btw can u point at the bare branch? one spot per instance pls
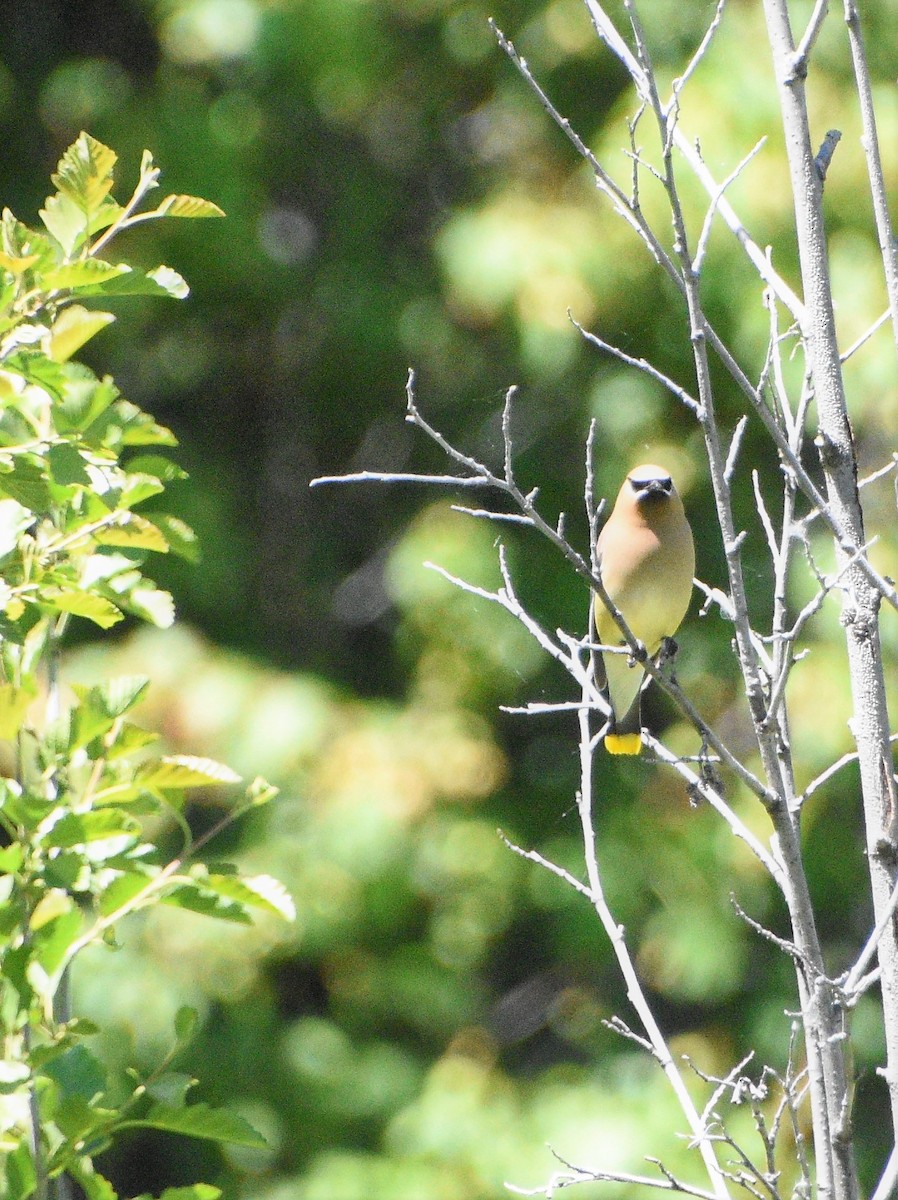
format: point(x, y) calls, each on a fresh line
point(806, 45)
point(680, 82)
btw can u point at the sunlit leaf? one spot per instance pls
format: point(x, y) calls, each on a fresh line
point(132, 530)
point(86, 274)
point(14, 705)
point(50, 906)
point(180, 538)
point(188, 206)
point(75, 326)
point(259, 891)
point(152, 604)
point(77, 829)
point(84, 173)
point(83, 604)
point(185, 771)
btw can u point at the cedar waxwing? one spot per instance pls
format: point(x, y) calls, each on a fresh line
point(646, 562)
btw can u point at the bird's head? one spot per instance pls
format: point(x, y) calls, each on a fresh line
point(650, 485)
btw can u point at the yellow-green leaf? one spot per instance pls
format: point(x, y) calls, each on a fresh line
point(84, 172)
point(14, 704)
point(185, 771)
point(73, 327)
point(83, 604)
point(188, 206)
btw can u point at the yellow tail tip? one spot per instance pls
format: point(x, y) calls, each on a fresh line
point(623, 743)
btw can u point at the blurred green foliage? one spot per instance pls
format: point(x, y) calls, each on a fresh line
point(395, 196)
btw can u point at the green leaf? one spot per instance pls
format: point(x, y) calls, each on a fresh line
point(21, 1177)
point(85, 275)
point(207, 903)
point(186, 1021)
point(134, 531)
point(185, 771)
point(27, 484)
point(54, 903)
point(51, 943)
point(82, 604)
point(67, 465)
point(94, 1186)
point(201, 1121)
point(122, 891)
point(139, 487)
point(84, 400)
point(77, 1073)
point(126, 281)
point(38, 369)
point(65, 220)
point(68, 223)
point(123, 424)
point(74, 326)
point(180, 538)
point(14, 705)
point(152, 604)
point(157, 465)
point(11, 858)
point(84, 173)
point(188, 206)
point(79, 829)
point(196, 1191)
point(101, 706)
point(259, 891)
point(260, 792)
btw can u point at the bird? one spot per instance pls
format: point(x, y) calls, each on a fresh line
point(646, 561)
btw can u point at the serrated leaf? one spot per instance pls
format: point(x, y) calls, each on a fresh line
point(86, 273)
point(84, 401)
point(180, 538)
point(161, 281)
point(207, 903)
point(84, 173)
point(75, 326)
point(114, 696)
point(134, 531)
point(201, 1121)
point(68, 222)
point(82, 604)
point(78, 829)
point(188, 206)
point(152, 604)
point(122, 891)
point(258, 891)
point(38, 369)
point(157, 465)
point(185, 771)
